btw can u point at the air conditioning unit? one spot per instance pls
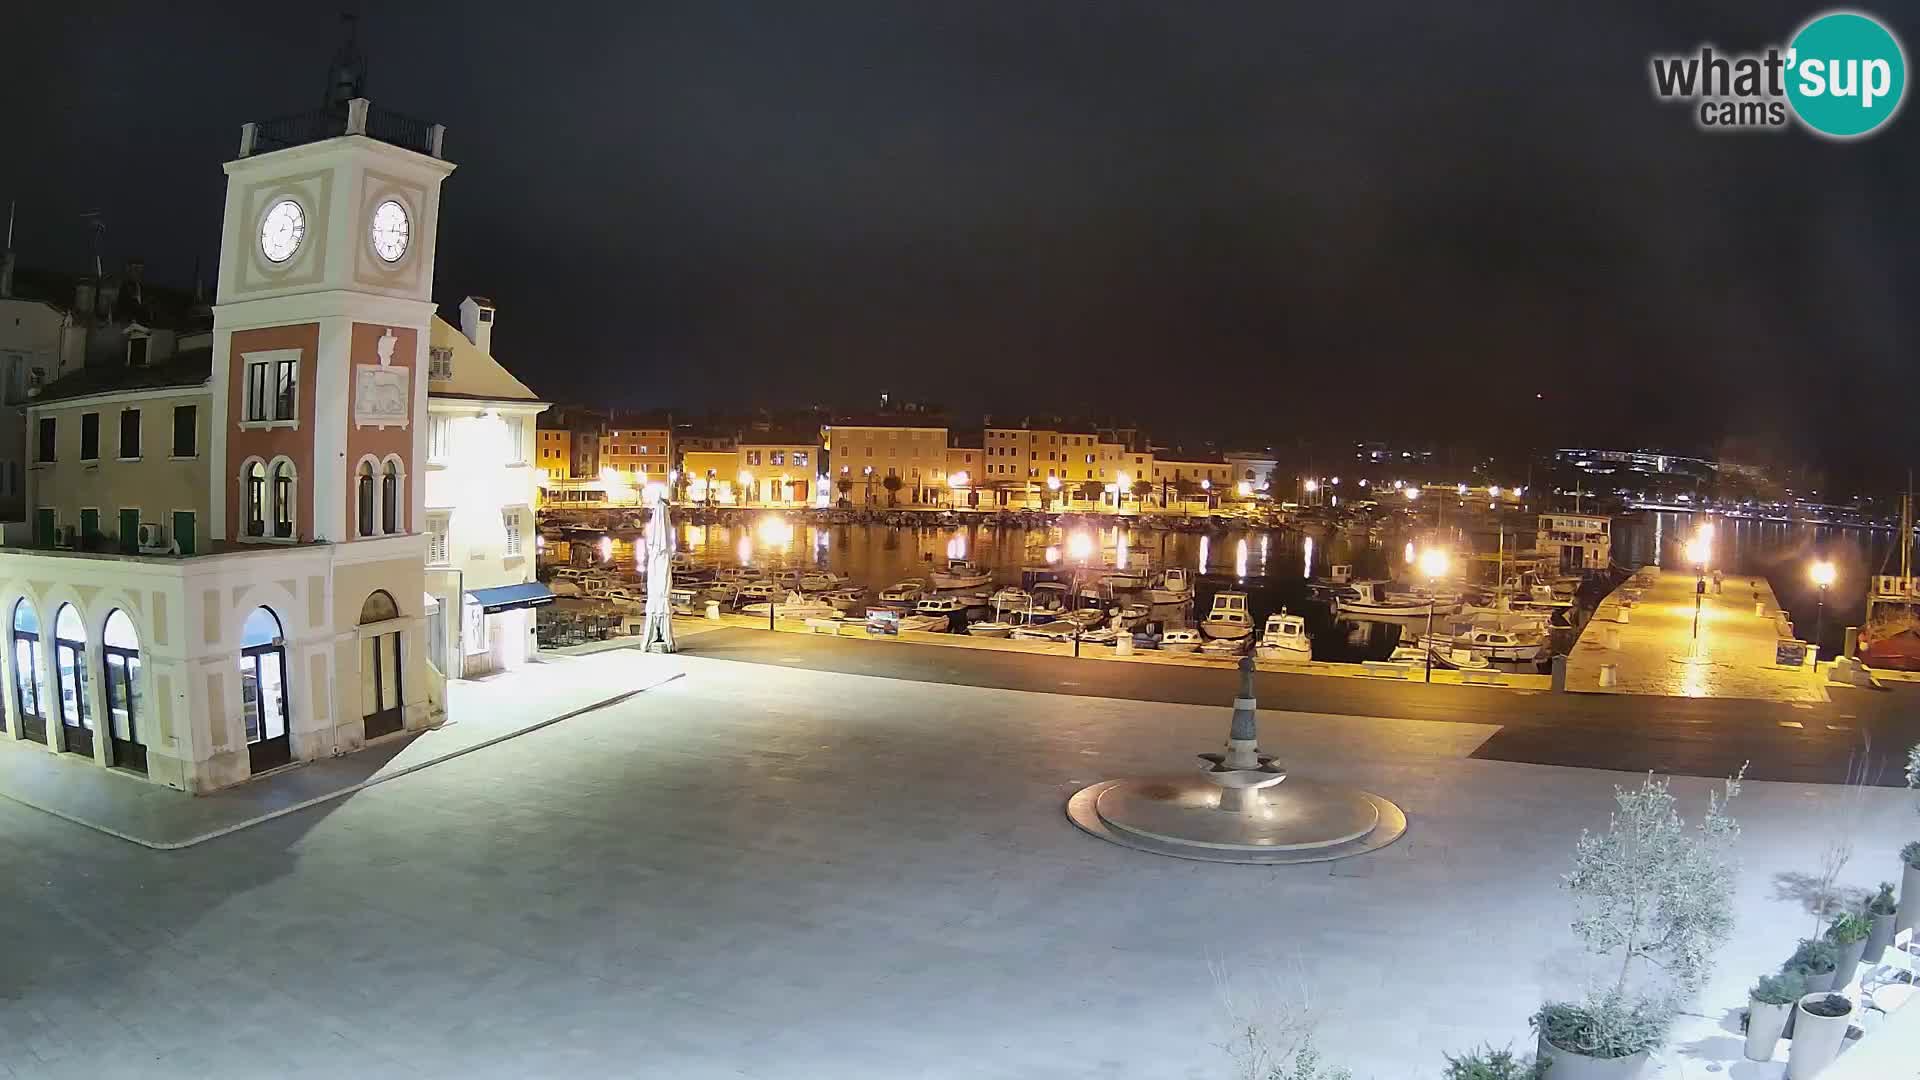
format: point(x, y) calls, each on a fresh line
point(153, 539)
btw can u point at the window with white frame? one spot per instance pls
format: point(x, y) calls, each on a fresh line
point(510, 518)
point(272, 388)
point(439, 434)
point(440, 363)
point(437, 550)
point(516, 434)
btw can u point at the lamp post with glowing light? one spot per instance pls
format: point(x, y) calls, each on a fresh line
point(1053, 490)
point(1206, 487)
point(711, 474)
point(958, 481)
point(1120, 484)
point(1433, 563)
point(1823, 575)
point(868, 473)
point(1699, 551)
point(746, 487)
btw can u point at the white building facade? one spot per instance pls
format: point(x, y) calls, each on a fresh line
point(481, 485)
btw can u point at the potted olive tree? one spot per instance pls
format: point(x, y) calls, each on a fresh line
point(1821, 1020)
point(1657, 895)
point(1768, 1005)
point(1849, 937)
point(1880, 912)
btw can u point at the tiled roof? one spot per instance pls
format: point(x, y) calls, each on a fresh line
point(189, 367)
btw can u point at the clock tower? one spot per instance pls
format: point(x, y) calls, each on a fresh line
point(318, 411)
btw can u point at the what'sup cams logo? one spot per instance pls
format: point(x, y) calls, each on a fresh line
point(1842, 76)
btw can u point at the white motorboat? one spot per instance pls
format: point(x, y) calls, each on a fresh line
point(1057, 630)
point(755, 591)
point(1138, 574)
point(1446, 654)
point(795, 606)
point(1048, 597)
point(1180, 641)
point(1369, 599)
point(991, 628)
point(683, 601)
point(1541, 599)
point(739, 575)
point(843, 599)
point(1498, 646)
point(1174, 587)
point(1224, 647)
point(961, 574)
point(1285, 637)
point(1086, 616)
point(1131, 615)
point(787, 578)
point(937, 614)
point(821, 582)
point(1228, 618)
point(902, 593)
point(723, 591)
point(1012, 598)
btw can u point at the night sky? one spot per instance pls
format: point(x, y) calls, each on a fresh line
point(1261, 221)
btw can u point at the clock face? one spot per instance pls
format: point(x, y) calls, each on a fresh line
point(390, 230)
point(282, 230)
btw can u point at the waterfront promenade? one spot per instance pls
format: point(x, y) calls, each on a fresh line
point(1657, 652)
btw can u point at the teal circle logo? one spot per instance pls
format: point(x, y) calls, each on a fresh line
point(1846, 74)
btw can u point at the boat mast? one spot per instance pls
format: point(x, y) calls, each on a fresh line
point(1906, 530)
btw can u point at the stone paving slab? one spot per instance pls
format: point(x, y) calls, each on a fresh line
point(1657, 653)
point(484, 712)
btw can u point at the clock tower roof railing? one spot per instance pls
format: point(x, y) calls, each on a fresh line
point(360, 117)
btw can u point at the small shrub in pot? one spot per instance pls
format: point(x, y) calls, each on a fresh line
point(1769, 1005)
point(1487, 1063)
point(1821, 1021)
point(1849, 937)
point(1817, 961)
point(1880, 912)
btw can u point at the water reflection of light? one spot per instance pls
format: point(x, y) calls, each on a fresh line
point(957, 546)
point(744, 548)
point(1053, 553)
point(1080, 545)
point(775, 531)
point(1409, 552)
point(1264, 538)
point(1306, 564)
point(1240, 558)
point(1203, 553)
point(606, 549)
point(1120, 553)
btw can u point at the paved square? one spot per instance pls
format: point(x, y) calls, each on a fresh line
point(765, 872)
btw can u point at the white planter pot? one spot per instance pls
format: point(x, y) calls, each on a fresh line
point(1881, 937)
point(1567, 1065)
point(1816, 1040)
point(1909, 899)
point(1764, 1025)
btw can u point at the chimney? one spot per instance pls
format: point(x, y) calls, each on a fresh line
point(109, 297)
point(83, 297)
point(476, 321)
point(136, 278)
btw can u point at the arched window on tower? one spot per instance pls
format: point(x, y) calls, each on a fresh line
point(365, 500)
point(390, 515)
point(283, 499)
point(256, 499)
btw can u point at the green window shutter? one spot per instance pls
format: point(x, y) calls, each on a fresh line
point(89, 525)
point(183, 530)
point(129, 530)
point(43, 526)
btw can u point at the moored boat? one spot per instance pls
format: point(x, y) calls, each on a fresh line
point(1228, 618)
point(1286, 636)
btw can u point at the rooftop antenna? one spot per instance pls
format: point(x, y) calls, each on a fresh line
point(96, 228)
point(347, 74)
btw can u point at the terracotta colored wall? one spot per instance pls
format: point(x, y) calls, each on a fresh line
point(295, 443)
point(380, 442)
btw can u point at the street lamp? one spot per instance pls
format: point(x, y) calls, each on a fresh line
point(957, 481)
point(1823, 575)
point(1699, 551)
point(1206, 489)
point(1433, 563)
point(746, 487)
point(868, 473)
point(1120, 483)
point(710, 483)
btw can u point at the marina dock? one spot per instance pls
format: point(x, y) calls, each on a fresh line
point(1654, 651)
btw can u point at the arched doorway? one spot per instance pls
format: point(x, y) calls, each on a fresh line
point(29, 678)
point(120, 663)
point(70, 666)
point(263, 691)
point(382, 703)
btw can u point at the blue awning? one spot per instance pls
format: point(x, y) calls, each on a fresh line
point(508, 597)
